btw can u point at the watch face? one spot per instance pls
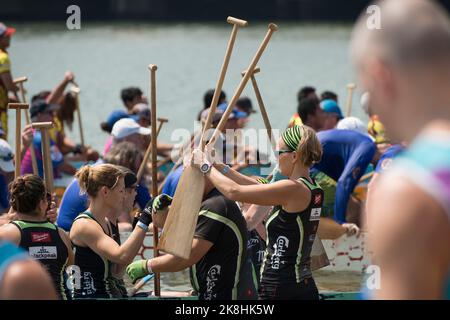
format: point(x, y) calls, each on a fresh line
point(204, 168)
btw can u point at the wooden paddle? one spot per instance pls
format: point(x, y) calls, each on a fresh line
point(262, 108)
point(76, 91)
point(153, 143)
point(20, 82)
point(149, 150)
point(183, 213)
point(350, 88)
point(223, 70)
point(18, 107)
point(46, 157)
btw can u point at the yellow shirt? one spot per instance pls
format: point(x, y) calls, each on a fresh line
point(56, 130)
point(5, 66)
point(376, 130)
point(295, 121)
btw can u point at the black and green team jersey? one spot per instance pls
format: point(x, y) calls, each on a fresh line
point(93, 270)
point(43, 243)
point(218, 274)
point(290, 237)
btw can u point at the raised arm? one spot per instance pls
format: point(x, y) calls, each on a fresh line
point(90, 234)
point(58, 91)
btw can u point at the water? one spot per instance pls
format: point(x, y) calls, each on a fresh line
point(107, 57)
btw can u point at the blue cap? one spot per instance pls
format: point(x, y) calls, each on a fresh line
point(235, 114)
point(331, 106)
point(117, 115)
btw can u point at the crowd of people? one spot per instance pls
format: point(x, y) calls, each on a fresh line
point(254, 235)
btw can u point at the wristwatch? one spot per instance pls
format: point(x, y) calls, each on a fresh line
point(205, 168)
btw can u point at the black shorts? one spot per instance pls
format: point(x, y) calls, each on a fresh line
point(305, 290)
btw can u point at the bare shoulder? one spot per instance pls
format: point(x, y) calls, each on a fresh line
point(84, 229)
point(10, 233)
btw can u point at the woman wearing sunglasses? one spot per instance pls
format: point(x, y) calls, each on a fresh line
point(32, 231)
point(292, 224)
point(96, 249)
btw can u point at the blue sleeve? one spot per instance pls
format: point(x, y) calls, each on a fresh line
point(172, 182)
point(353, 171)
point(4, 202)
point(143, 196)
point(72, 204)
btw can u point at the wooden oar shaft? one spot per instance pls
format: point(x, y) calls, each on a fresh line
point(262, 108)
point(272, 28)
point(223, 70)
point(18, 143)
point(80, 122)
point(18, 107)
point(153, 143)
point(46, 156)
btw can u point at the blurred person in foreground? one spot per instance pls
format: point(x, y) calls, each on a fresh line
point(410, 213)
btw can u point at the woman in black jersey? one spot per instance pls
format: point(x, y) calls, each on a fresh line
point(292, 224)
point(95, 248)
point(32, 231)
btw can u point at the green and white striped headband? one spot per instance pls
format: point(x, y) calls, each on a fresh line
point(292, 137)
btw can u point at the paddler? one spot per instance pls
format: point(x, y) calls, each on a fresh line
point(219, 266)
point(31, 230)
point(305, 92)
point(7, 86)
point(410, 213)
point(96, 249)
point(292, 225)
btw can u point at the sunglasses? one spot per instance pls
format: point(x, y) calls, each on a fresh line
point(280, 152)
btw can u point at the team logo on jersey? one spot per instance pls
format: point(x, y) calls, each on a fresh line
point(41, 237)
point(43, 253)
point(211, 278)
point(279, 248)
point(317, 198)
point(356, 172)
point(315, 214)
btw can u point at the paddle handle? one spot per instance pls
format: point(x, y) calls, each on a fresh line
point(223, 70)
point(350, 88)
point(271, 29)
point(48, 166)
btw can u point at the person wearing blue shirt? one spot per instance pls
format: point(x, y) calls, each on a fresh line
point(346, 156)
point(387, 157)
point(172, 181)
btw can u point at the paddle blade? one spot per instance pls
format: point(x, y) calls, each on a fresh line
point(319, 258)
point(181, 220)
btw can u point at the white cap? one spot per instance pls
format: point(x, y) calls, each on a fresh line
point(126, 127)
point(354, 124)
point(6, 157)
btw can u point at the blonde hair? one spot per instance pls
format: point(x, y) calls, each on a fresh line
point(91, 179)
point(309, 147)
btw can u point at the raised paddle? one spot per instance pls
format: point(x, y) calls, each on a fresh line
point(149, 150)
point(262, 108)
point(20, 82)
point(46, 157)
point(76, 91)
point(183, 213)
point(271, 29)
point(350, 88)
point(18, 107)
point(223, 70)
